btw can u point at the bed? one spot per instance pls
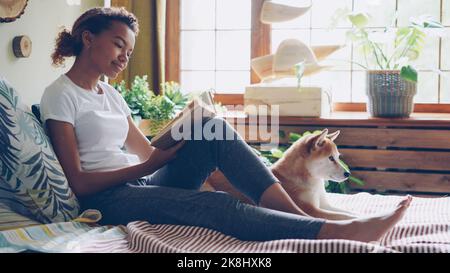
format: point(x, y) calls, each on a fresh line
point(34, 190)
point(424, 229)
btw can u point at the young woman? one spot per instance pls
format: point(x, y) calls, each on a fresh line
point(89, 124)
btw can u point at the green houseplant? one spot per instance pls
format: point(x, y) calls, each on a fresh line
point(272, 156)
point(152, 112)
point(388, 56)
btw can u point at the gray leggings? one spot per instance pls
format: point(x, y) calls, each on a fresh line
point(171, 195)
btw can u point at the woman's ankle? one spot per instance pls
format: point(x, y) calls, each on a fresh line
point(341, 229)
point(327, 231)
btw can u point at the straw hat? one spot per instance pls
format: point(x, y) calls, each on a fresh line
point(289, 53)
point(273, 12)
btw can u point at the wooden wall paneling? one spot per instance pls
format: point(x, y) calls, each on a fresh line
point(380, 137)
point(402, 181)
point(411, 160)
point(387, 159)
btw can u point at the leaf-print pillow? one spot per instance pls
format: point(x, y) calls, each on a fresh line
point(32, 181)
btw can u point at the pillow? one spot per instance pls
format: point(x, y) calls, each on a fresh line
point(32, 181)
point(36, 109)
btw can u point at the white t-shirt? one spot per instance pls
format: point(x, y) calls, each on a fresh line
point(99, 120)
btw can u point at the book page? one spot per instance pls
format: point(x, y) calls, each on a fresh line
point(164, 140)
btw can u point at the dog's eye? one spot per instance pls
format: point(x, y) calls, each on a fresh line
point(331, 158)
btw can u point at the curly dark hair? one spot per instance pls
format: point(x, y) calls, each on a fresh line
point(96, 20)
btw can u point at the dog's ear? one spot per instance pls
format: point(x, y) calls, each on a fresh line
point(334, 135)
point(318, 140)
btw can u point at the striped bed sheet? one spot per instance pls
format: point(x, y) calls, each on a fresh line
point(424, 229)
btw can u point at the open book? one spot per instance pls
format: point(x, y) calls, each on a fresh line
point(195, 110)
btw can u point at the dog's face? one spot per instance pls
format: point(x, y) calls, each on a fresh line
point(321, 156)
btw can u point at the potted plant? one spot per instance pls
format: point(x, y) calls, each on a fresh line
point(152, 112)
point(388, 53)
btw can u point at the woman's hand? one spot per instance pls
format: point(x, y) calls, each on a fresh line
point(158, 158)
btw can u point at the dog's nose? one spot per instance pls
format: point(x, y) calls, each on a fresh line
point(346, 174)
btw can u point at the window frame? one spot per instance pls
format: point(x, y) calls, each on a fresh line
point(261, 37)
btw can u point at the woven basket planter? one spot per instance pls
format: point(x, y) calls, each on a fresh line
point(389, 95)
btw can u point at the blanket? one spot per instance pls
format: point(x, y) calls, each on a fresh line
point(424, 229)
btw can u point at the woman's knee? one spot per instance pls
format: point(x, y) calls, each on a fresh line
point(216, 128)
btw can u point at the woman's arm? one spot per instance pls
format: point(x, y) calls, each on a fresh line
point(136, 143)
point(83, 183)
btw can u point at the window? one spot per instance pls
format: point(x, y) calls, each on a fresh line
point(216, 53)
point(215, 45)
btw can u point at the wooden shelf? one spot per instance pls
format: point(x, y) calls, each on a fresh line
point(428, 120)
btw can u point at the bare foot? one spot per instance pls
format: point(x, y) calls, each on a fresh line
point(365, 229)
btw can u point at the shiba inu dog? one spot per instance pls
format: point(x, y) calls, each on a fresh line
point(303, 170)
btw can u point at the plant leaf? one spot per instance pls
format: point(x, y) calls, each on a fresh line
point(356, 180)
point(426, 21)
point(299, 71)
point(345, 166)
point(359, 20)
point(408, 73)
point(276, 153)
point(293, 137)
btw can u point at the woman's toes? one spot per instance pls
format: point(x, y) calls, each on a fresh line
point(406, 201)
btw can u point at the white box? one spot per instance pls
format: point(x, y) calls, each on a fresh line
point(306, 101)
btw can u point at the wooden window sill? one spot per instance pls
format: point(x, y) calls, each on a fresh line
point(238, 99)
point(353, 119)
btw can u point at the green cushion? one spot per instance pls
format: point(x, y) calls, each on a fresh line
point(32, 181)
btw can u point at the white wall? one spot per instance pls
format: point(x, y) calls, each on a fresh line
point(41, 22)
